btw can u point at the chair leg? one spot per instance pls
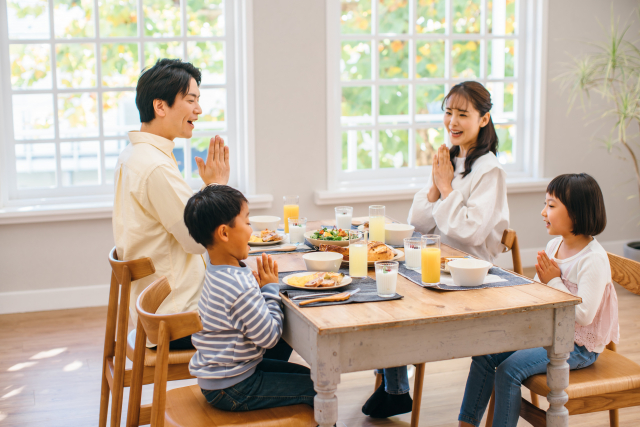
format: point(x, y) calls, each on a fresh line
point(137, 373)
point(378, 381)
point(613, 418)
point(417, 395)
point(492, 404)
point(534, 400)
point(104, 399)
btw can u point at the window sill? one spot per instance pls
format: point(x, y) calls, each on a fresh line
point(406, 192)
point(83, 211)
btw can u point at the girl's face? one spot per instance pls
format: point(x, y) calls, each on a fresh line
point(463, 121)
point(556, 217)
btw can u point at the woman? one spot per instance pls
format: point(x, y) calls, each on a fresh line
point(465, 202)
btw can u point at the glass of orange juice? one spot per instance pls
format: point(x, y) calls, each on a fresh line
point(430, 259)
point(291, 210)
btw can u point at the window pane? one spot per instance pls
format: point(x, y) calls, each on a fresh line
point(427, 143)
point(155, 51)
point(502, 97)
point(393, 148)
point(78, 114)
point(465, 58)
point(430, 58)
point(209, 57)
point(355, 63)
point(355, 17)
point(161, 18)
point(120, 66)
point(119, 112)
point(357, 150)
point(30, 66)
point(214, 105)
point(118, 18)
point(35, 165)
point(394, 104)
point(506, 139)
point(33, 116)
point(112, 150)
point(394, 16)
point(80, 163)
point(356, 105)
point(466, 16)
point(431, 16)
point(178, 153)
point(73, 19)
point(76, 65)
point(394, 59)
point(429, 103)
point(205, 18)
point(501, 17)
point(28, 19)
point(501, 57)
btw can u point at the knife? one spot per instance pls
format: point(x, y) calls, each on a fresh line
point(339, 297)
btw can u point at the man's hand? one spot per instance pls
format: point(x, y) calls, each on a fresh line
point(546, 268)
point(443, 172)
point(267, 270)
point(217, 168)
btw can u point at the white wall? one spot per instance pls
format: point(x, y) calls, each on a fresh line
point(290, 128)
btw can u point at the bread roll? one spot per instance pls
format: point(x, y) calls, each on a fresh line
point(344, 250)
point(378, 251)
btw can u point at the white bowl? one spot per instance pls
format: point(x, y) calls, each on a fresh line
point(322, 261)
point(468, 271)
point(394, 234)
point(259, 223)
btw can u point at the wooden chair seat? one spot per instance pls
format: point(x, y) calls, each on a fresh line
point(187, 406)
point(611, 373)
point(176, 357)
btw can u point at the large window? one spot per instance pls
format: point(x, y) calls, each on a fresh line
point(70, 68)
point(390, 64)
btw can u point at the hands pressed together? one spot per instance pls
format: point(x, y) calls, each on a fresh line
point(441, 175)
point(216, 169)
point(546, 268)
point(267, 270)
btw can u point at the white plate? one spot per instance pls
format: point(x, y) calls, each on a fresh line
point(345, 281)
point(318, 242)
point(275, 242)
point(399, 256)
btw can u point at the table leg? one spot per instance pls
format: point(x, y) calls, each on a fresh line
point(326, 405)
point(325, 373)
point(558, 368)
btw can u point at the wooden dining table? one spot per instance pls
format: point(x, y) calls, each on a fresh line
point(428, 325)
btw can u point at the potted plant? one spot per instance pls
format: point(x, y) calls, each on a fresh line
point(612, 71)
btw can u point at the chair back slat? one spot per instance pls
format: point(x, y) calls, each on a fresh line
point(510, 240)
point(138, 268)
point(625, 272)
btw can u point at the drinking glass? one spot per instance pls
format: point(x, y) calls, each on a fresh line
point(297, 227)
point(291, 209)
point(357, 253)
point(386, 278)
point(343, 217)
point(376, 223)
point(412, 251)
point(430, 246)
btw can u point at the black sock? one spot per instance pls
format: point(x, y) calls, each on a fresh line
point(376, 399)
point(393, 404)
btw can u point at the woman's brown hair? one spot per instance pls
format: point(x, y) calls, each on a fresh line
point(480, 98)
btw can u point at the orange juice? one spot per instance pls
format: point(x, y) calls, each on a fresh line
point(430, 265)
point(290, 211)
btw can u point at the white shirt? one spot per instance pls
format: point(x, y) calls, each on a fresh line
point(474, 216)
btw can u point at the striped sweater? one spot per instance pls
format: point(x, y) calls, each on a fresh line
point(240, 321)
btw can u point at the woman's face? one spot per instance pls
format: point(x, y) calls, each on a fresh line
point(463, 122)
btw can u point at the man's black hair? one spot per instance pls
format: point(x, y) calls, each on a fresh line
point(582, 197)
point(209, 209)
point(164, 81)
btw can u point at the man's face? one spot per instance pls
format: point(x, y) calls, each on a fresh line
point(181, 116)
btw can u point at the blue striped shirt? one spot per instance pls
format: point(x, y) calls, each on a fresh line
point(240, 321)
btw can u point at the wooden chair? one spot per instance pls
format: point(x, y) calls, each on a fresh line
point(117, 346)
point(611, 383)
point(510, 241)
point(187, 406)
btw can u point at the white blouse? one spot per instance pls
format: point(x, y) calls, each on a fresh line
point(474, 216)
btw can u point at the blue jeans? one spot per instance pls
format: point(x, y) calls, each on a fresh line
point(396, 380)
point(507, 371)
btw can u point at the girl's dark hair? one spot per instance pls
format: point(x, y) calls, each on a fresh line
point(209, 209)
point(480, 98)
point(582, 197)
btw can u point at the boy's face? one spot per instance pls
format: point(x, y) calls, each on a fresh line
point(184, 112)
point(240, 233)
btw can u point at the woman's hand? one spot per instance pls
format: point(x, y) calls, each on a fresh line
point(267, 270)
point(434, 194)
point(443, 172)
point(546, 268)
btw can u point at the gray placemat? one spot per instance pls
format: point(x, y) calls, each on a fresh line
point(511, 280)
point(368, 290)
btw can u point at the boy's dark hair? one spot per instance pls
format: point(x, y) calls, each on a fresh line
point(582, 197)
point(209, 209)
point(164, 81)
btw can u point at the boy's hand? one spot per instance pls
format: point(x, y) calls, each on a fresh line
point(267, 270)
point(216, 169)
point(546, 268)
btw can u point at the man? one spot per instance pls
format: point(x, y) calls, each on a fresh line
point(150, 193)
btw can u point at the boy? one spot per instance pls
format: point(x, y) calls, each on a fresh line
point(240, 312)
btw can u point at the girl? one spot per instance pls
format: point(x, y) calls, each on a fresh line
point(466, 205)
point(574, 262)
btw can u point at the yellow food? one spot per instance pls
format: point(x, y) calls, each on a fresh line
point(301, 280)
point(254, 239)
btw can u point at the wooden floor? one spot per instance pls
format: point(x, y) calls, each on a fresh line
point(50, 366)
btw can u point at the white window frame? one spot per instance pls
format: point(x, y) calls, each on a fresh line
point(96, 201)
point(395, 184)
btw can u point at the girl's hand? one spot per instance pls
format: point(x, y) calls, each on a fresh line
point(434, 194)
point(267, 270)
point(546, 268)
point(443, 172)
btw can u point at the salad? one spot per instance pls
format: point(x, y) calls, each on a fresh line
point(334, 234)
